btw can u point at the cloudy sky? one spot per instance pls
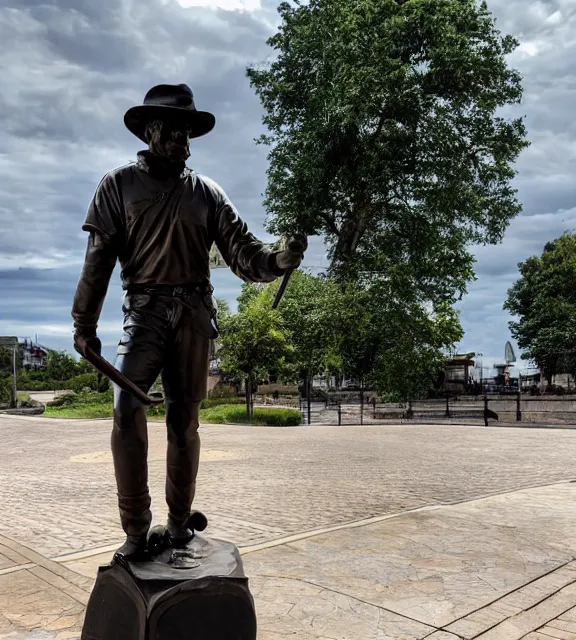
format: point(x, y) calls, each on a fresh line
point(70, 69)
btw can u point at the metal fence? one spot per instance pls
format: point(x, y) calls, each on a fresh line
point(505, 409)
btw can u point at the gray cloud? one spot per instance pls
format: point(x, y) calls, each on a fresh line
point(70, 69)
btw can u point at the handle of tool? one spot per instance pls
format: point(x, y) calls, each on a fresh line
point(104, 367)
point(282, 288)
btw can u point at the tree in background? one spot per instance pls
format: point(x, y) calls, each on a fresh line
point(543, 300)
point(6, 362)
point(253, 343)
point(60, 366)
point(394, 345)
point(6, 372)
point(385, 138)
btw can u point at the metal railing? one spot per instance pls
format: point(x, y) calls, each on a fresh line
point(506, 409)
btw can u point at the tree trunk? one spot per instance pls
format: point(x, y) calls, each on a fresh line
point(248, 396)
point(309, 394)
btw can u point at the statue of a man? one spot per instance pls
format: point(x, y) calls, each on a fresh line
point(159, 219)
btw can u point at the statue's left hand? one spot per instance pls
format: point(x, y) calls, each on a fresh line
point(292, 257)
point(87, 338)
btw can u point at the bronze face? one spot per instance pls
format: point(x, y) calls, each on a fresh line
point(169, 139)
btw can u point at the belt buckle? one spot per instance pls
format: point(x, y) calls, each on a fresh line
point(179, 292)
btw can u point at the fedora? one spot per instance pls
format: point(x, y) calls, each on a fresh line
point(166, 100)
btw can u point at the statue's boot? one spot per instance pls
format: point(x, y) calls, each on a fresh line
point(129, 451)
point(179, 535)
point(134, 548)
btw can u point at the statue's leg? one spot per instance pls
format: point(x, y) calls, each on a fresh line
point(185, 377)
point(140, 357)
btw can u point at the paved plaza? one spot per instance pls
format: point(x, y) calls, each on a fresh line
point(384, 533)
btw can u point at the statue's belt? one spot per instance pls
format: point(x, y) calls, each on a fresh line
point(171, 291)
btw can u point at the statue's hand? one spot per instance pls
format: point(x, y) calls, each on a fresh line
point(292, 257)
point(84, 338)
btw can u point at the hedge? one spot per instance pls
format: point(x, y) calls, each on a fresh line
point(231, 414)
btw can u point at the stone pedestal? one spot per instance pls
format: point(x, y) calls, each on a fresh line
point(199, 592)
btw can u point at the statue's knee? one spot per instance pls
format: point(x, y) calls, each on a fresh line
point(182, 422)
point(126, 409)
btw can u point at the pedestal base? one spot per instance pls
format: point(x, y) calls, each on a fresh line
point(199, 592)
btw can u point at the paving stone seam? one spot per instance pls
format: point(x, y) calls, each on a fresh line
point(20, 567)
point(347, 595)
point(546, 597)
point(39, 576)
point(305, 535)
point(539, 625)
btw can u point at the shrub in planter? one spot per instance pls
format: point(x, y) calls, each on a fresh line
point(223, 391)
point(230, 414)
point(217, 401)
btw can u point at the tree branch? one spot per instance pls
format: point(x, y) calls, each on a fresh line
point(331, 223)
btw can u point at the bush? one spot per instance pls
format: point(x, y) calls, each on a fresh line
point(82, 405)
point(81, 382)
point(66, 400)
point(31, 381)
point(5, 390)
point(223, 391)
point(231, 414)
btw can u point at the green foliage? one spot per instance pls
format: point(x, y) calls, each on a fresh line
point(37, 381)
point(255, 341)
point(83, 381)
point(226, 414)
point(60, 366)
point(100, 405)
point(82, 405)
point(385, 138)
point(392, 342)
point(316, 311)
point(543, 300)
point(5, 390)
point(6, 363)
point(412, 350)
point(222, 391)
point(208, 403)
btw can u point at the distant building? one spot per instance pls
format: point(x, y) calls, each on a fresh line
point(32, 356)
point(457, 374)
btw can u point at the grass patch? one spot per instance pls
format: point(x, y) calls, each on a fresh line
point(100, 405)
point(233, 414)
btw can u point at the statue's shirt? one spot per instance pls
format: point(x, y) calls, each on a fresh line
point(162, 230)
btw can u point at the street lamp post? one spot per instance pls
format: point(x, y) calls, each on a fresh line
point(14, 400)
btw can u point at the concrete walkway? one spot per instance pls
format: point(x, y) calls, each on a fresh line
point(497, 568)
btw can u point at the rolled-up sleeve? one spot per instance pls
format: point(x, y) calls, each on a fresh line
point(248, 258)
point(104, 215)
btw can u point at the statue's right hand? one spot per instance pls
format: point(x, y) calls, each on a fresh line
point(82, 339)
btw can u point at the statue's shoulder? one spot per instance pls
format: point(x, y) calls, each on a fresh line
point(210, 186)
point(123, 172)
point(115, 178)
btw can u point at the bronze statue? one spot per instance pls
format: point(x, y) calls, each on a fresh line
point(159, 219)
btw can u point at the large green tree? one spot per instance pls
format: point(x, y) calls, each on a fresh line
point(393, 344)
point(386, 134)
point(543, 301)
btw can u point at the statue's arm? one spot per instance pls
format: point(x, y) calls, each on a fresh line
point(246, 256)
point(93, 284)
point(104, 223)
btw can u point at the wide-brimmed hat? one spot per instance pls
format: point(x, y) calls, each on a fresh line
point(165, 100)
